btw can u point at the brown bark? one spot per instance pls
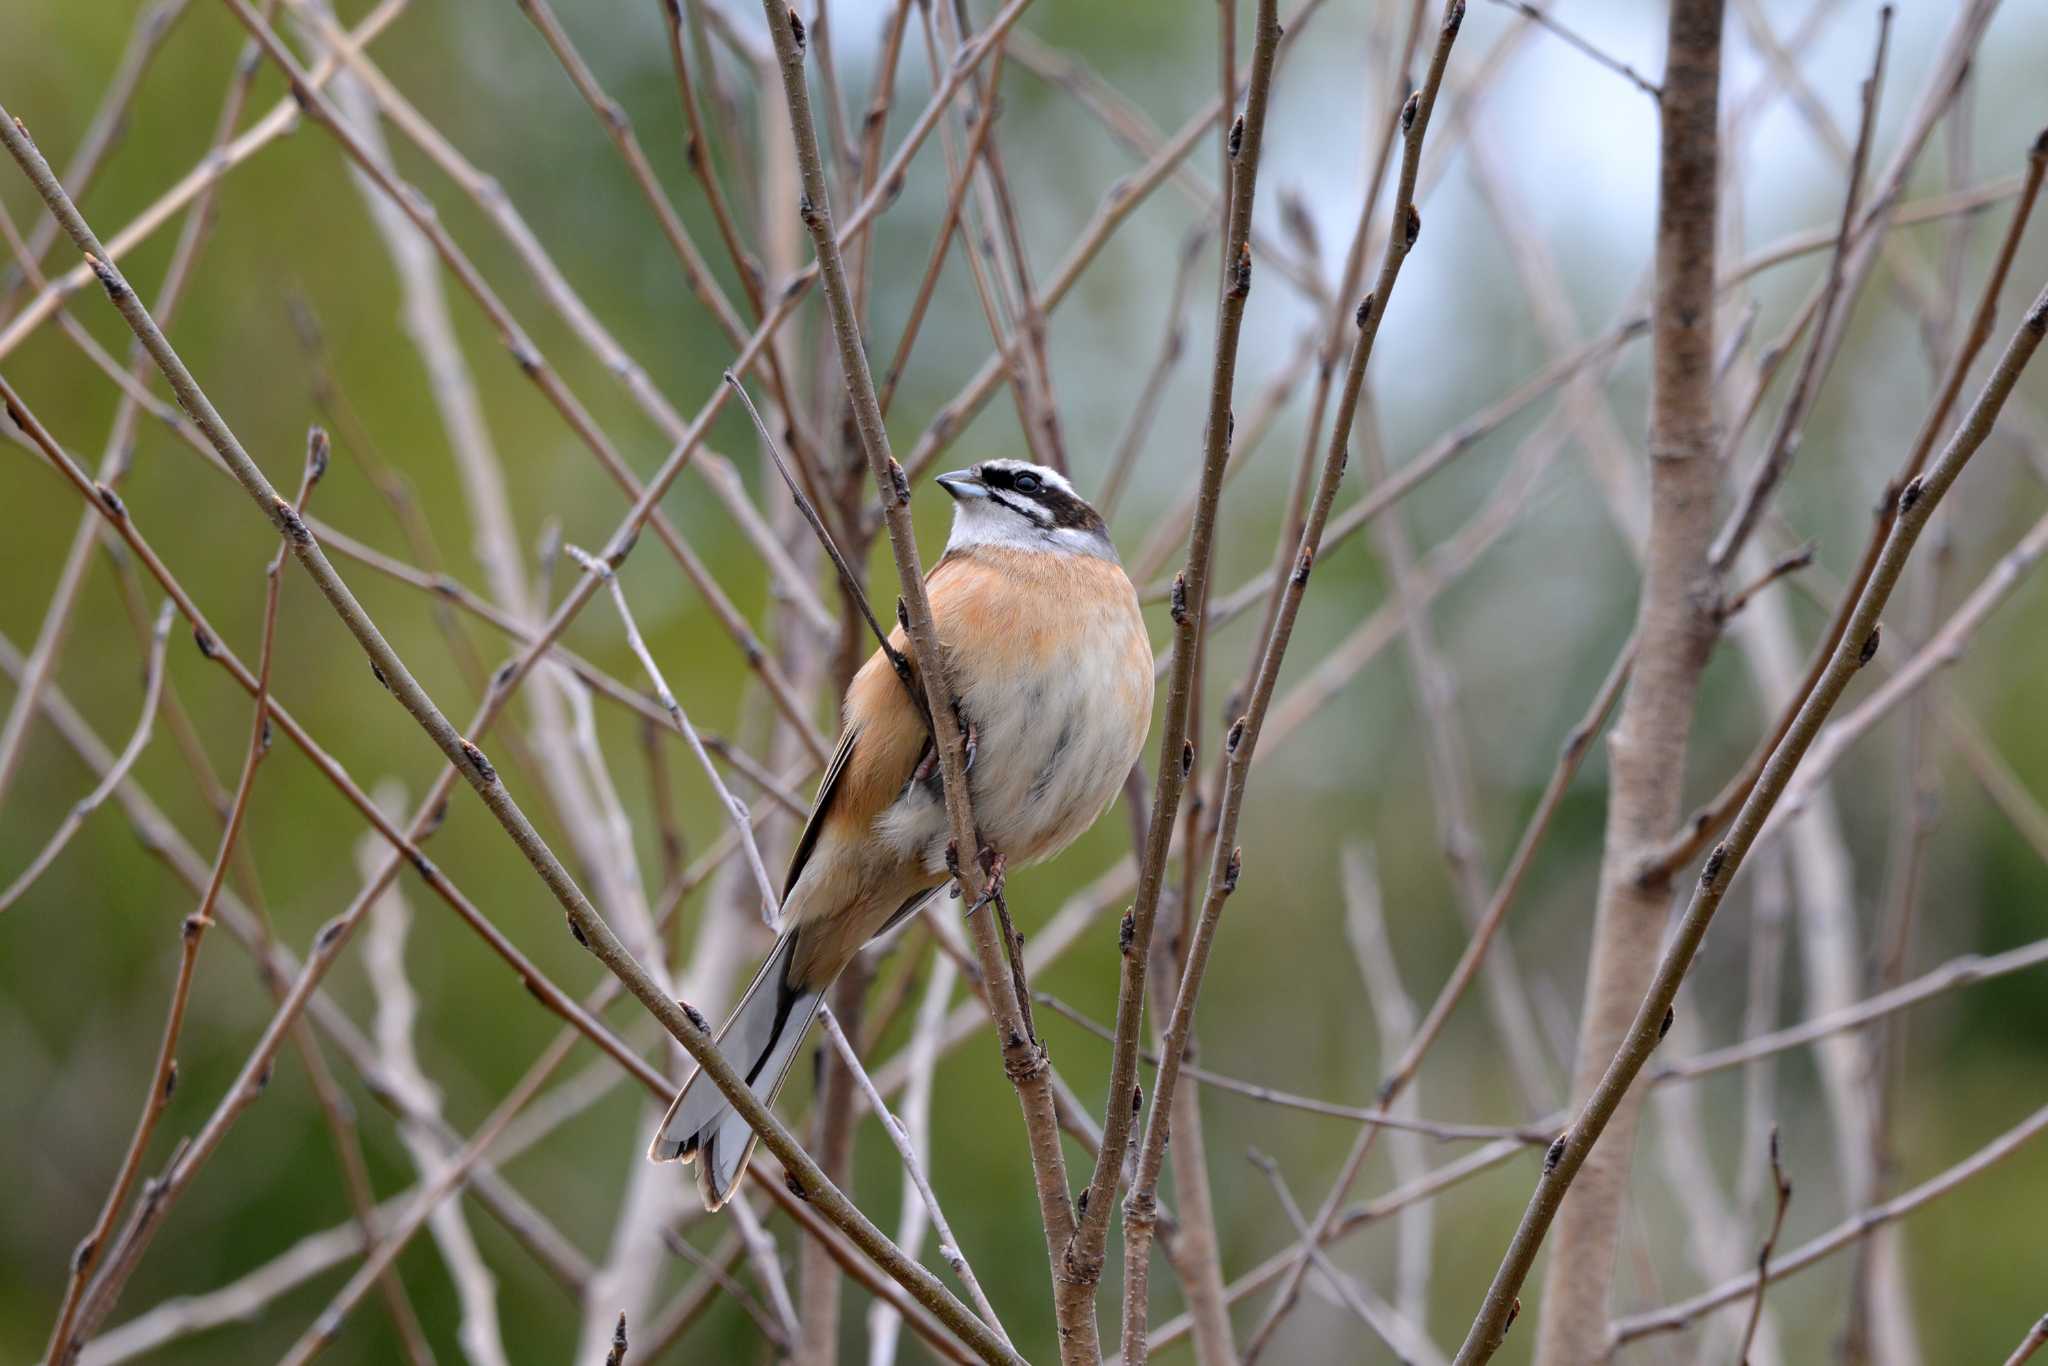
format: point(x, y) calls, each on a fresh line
point(1675, 628)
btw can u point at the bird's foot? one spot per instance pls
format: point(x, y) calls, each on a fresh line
point(993, 867)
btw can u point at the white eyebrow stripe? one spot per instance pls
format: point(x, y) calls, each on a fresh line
point(1050, 476)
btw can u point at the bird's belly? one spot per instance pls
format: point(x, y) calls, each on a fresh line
point(1051, 752)
point(1056, 752)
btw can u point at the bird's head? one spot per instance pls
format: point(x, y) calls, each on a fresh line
point(1024, 506)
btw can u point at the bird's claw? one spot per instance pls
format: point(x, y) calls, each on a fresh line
point(993, 866)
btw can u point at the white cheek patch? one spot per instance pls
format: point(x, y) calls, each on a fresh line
point(983, 521)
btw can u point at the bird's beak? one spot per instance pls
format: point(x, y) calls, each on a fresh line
point(963, 484)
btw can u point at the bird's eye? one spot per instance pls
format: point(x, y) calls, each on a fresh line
point(1025, 483)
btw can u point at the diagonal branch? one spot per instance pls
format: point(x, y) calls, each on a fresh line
point(145, 726)
point(471, 764)
point(1082, 1258)
point(1241, 743)
point(1845, 1234)
point(1700, 828)
point(1023, 1056)
point(1917, 503)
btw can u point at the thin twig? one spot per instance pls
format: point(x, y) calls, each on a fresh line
point(1448, 762)
point(606, 569)
point(1676, 1317)
point(1965, 971)
point(2034, 1341)
point(1531, 1134)
point(847, 578)
point(145, 726)
point(1942, 650)
point(1785, 439)
point(1781, 1198)
point(916, 1109)
point(709, 1265)
point(942, 241)
point(1407, 1339)
point(1789, 564)
point(1700, 828)
point(1917, 503)
point(1023, 1057)
point(1571, 39)
point(1394, 1018)
point(899, 1138)
point(469, 762)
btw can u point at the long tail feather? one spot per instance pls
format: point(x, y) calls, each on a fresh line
point(761, 1039)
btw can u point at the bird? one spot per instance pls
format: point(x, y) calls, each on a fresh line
point(1048, 655)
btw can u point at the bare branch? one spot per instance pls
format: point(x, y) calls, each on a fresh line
point(1407, 1339)
point(1782, 1191)
point(606, 569)
point(2034, 1341)
point(1916, 504)
point(913, 1171)
point(1571, 39)
point(145, 726)
point(465, 760)
point(1676, 1317)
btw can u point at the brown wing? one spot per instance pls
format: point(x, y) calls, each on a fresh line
point(882, 745)
point(808, 841)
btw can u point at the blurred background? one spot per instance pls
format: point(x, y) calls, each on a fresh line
point(1537, 234)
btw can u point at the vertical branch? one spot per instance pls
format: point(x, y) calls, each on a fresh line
point(1394, 1020)
point(834, 1117)
point(1568, 1156)
point(67, 1336)
point(1782, 1198)
point(1241, 742)
point(1084, 1257)
point(1024, 1058)
point(1674, 633)
point(884, 1323)
point(162, 1082)
point(390, 920)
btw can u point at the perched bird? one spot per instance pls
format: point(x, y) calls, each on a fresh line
point(1053, 671)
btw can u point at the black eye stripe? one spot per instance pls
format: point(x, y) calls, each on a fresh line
point(1038, 500)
